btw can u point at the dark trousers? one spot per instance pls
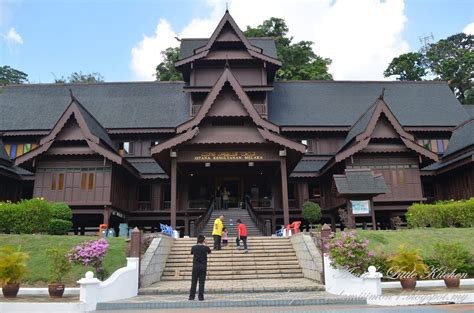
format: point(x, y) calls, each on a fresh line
point(226, 204)
point(244, 240)
point(199, 273)
point(217, 242)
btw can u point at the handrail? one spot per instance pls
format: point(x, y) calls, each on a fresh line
point(202, 220)
point(258, 221)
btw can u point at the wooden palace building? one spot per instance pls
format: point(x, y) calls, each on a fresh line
point(156, 152)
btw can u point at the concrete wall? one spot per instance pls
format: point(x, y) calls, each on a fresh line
point(154, 260)
point(309, 256)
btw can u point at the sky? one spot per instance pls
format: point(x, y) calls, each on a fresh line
point(122, 39)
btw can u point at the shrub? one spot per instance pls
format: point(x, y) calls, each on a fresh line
point(91, 253)
point(59, 265)
point(7, 216)
point(454, 257)
point(442, 214)
point(61, 211)
point(380, 262)
point(12, 265)
point(311, 212)
point(59, 227)
point(31, 216)
point(349, 251)
point(407, 264)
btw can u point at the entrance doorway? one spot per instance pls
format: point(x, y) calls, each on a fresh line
point(234, 186)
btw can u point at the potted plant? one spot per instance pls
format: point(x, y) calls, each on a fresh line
point(12, 270)
point(311, 212)
point(453, 260)
point(59, 266)
point(407, 266)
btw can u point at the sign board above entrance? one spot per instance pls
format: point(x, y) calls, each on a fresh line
point(228, 156)
point(360, 207)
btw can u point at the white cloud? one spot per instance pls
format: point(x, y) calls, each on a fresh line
point(361, 37)
point(12, 37)
point(469, 29)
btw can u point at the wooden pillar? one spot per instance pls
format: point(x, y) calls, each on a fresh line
point(284, 192)
point(107, 211)
point(300, 194)
point(372, 210)
point(174, 195)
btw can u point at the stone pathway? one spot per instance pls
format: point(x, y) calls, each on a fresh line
point(255, 299)
point(235, 286)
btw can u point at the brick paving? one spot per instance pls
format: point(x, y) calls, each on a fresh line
point(230, 299)
point(244, 285)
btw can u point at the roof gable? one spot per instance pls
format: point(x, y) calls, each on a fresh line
point(227, 31)
point(227, 78)
point(371, 124)
point(78, 118)
point(461, 138)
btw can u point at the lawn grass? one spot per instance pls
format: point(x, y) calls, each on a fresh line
point(38, 264)
point(422, 239)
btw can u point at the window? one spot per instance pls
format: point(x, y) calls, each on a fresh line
point(91, 181)
point(17, 149)
point(144, 193)
point(13, 151)
point(314, 190)
point(53, 182)
point(125, 147)
point(436, 145)
point(26, 147)
point(83, 181)
point(61, 182)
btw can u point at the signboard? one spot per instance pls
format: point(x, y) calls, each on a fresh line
point(360, 207)
point(228, 156)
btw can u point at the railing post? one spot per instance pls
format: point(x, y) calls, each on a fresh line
point(268, 228)
point(135, 243)
point(325, 237)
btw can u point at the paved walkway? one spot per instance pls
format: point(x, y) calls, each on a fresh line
point(241, 300)
point(225, 286)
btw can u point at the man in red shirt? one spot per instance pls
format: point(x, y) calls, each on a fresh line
point(242, 235)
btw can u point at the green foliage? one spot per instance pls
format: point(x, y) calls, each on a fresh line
point(407, 264)
point(349, 251)
point(408, 66)
point(35, 216)
point(9, 75)
point(165, 71)
point(311, 212)
point(299, 62)
point(381, 263)
point(59, 227)
point(442, 214)
point(453, 256)
point(12, 265)
point(450, 59)
point(59, 264)
point(78, 77)
point(61, 210)
point(31, 216)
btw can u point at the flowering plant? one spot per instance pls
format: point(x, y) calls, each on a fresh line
point(349, 251)
point(91, 253)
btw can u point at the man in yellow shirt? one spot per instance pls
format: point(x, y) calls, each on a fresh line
point(217, 231)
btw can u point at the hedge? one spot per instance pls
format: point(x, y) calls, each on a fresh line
point(35, 216)
point(442, 214)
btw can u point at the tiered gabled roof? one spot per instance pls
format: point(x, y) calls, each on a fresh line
point(92, 131)
point(360, 182)
point(362, 132)
point(236, 35)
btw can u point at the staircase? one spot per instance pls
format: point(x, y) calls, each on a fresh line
point(230, 217)
point(267, 258)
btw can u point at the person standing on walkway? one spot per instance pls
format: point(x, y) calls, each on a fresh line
point(225, 198)
point(199, 252)
point(242, 235)
point(217, 231)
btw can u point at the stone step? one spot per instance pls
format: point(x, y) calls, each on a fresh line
point(213, 263)
point(237, 277)
point(241, 256)
point(223, 267)
point(212, 273)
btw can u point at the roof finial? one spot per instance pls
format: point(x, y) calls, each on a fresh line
point(227, 7)
point(70, 94)
point(382, 93)
point(227, 65)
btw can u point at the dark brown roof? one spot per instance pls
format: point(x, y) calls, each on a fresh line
point(360, 181)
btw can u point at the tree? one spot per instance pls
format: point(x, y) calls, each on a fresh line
point(165, 71)
point(450, 59)
point(299, 62)
point(78, 77)
point(311, 212)
point(408, 66)
point(9, 75)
